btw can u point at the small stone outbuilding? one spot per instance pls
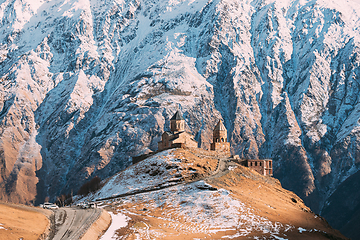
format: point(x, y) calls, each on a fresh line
point(262, 166)
point(177, 137)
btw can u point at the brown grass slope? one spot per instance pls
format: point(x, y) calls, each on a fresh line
point(23, 222)
point(189, 210)
point(267, 198)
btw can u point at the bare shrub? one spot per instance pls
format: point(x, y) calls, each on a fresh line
point(90, 186)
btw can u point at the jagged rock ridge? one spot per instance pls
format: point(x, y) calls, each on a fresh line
point(87, 84)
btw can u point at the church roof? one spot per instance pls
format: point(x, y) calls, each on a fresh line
point(220, 126)
point(177, 116)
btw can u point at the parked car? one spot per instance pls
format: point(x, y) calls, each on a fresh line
point(86, 205)
point(48, 205)
point(82, 205)
point(92, 205)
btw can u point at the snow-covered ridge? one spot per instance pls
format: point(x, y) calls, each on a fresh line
point(89, 84)
point(167, 168)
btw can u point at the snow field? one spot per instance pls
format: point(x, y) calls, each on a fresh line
point(1, 227)
point(189, 209)
point(161, 170)
point(118, 220)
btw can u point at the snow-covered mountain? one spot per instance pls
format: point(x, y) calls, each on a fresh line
point(86, 84)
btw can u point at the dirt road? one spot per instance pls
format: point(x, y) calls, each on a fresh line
point(71, 223)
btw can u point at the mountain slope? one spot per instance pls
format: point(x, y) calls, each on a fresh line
point(231, 202)
point(85, 85)
point(342, 208)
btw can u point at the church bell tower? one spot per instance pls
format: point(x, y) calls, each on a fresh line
point(220, 143)
point(177, 123)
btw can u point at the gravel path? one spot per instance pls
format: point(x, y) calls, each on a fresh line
point(71, 223)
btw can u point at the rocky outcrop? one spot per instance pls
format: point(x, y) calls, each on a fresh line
point(85, 85)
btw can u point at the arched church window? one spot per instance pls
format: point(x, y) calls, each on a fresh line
point(222, 140)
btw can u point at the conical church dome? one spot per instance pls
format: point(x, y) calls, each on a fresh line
point(177, 116)
point(220, 126)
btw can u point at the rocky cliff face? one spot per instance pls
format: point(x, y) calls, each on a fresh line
point(342, 208)
point(87, 84)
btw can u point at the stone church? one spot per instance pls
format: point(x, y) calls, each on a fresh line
point(178, 138)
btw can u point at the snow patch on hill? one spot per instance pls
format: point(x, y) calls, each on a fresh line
point(161, 170)
point(189, 209)
point(149, 173)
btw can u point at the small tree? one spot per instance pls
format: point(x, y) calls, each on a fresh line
point(90, 186)
point(69, 198)
point(64, 200)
